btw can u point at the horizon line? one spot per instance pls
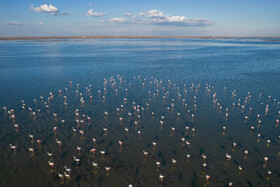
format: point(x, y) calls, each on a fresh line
point(100, 37)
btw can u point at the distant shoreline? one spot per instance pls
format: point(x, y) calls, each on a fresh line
point(128, 37)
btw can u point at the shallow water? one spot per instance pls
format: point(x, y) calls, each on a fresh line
point(162, 76)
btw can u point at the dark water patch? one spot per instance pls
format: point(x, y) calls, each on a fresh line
point(193, 180)
point(100, 179)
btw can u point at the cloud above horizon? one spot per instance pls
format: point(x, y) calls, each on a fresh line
point(44, 8)
point(120, 20)
point(95, 14)
point(160, 18)
point(49, 9)
point(152, 14)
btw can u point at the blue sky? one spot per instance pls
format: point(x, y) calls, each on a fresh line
point(140, 17)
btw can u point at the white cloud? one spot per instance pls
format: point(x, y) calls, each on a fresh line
point(181, 20)
point(117, 20)
point(120, 20)
point(152, 14)
point(90, 4)
point(13, 23)
point(49, 9)
point(41, 23)
point(160, 18)
point(44, 8)
point(95, 14)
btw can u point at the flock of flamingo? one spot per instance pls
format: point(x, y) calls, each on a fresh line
point(130, 119)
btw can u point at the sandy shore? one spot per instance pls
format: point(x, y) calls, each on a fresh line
point(100, 37)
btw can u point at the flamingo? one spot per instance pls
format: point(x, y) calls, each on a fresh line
point(92, 150)
point(161, 177)
point(145, 153)
point(94, 140)
point(31, 136)
point(103, 152)
point(76, 159)
point(60, 175)
point(58, 142)
point(94, 164)
point(228, 156)
point(51, 163)
point(174, 161)
point(107, 169)
point(81, 132)
point(67, 169)
point(31, 150)
point(67, 175)
point(203, 156)
point(158, 164)
point(120, 143)
point(75, 130)
point(13, 147)
point(126, 129)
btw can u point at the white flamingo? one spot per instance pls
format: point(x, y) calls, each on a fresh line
point(13, 147)
point(161, 177)
point(67, 169)
point(77, 160)
point(94, 164)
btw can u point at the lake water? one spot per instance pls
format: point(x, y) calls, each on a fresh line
point(216, 94)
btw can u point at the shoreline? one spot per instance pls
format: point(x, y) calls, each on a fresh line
point(131, 37)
